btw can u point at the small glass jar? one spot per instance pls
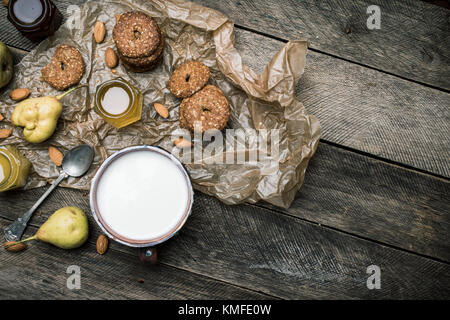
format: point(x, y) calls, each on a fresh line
point(14, 168)
point(36, 19)
point(118, 102)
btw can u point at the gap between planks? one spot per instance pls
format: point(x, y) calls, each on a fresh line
point(259, 279)
point(342, 58)
point(23, 52)
point(291, 216)
point(383, 160)
point(387, 161)
point(20, 52)
point(339, 27)
point(120, 252)
point(381, 243)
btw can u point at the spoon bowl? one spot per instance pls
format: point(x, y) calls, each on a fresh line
point(78, 160)
point(75, 163)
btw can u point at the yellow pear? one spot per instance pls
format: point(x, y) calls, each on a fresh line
point(39, 116)
point(66, 228)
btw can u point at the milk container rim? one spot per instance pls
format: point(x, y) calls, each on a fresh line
point(114, 235)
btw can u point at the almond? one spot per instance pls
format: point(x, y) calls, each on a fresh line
point(56, 156)
point(99, 31)
point(111, 58)
point(1, 117)
point(117, 18)
point(102, 244)
point(5, 133)
point(19, 94)
point(162, 110)
point(12, 247)
point(182, 143)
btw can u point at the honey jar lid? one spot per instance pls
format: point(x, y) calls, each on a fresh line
point(28, 14)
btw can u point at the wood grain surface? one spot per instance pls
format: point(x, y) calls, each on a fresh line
point(362, 203)
point(367, 110)
point(413, 41)
point(264, 251)
point(360, 108)
point(377, 201)
point(40, 272)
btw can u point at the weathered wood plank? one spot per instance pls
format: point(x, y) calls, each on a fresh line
point(272, 253)
point(243, 213)
point(372, 199)
point(423, 189)
point(413, 41)
point(40, 273)
point(367, 110)
point(352, 193)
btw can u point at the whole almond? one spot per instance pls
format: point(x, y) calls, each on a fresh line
point(162, 110)
point(99, 31)
point(102, 244)
point(182, 143)
point(5, 133)
point(111, 58)
point(1, 117)
point(19, 94)
point(11, 247)
point(56, 156)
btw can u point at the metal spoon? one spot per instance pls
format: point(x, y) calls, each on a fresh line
point(75, 163)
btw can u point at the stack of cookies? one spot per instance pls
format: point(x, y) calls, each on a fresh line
point(204, 106)
point(139, 41)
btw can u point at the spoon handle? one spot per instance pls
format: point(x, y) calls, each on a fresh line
point(14, 231)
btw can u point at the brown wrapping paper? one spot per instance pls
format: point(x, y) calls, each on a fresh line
point(265, 101)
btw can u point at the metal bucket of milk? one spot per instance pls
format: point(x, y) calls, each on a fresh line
point(141, 196)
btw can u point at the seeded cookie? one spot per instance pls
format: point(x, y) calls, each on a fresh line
point(144, 67)
point(136, 35)
point(65, 69)
point(209, 106)
point(145, 63)
point(188, 78)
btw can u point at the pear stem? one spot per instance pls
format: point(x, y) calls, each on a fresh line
point(21, 241)
point(69, 91)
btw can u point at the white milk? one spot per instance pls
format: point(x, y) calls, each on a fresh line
point(142, 195)
point(115, 101)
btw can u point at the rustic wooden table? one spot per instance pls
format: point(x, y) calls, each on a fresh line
point(377, 191)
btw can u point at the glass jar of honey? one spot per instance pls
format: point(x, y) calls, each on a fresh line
point(36, 19)
point(118, 102)
point(14, 168)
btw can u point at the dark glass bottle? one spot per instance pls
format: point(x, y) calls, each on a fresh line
point(36, 19)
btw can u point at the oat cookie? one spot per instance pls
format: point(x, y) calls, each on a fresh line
point(136, 35)
point(65, 69)
point(188, 78)
point(142, 68)
point(209, 106)
point(148, 62)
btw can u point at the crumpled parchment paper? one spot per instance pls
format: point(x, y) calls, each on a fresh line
point(258, 101)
